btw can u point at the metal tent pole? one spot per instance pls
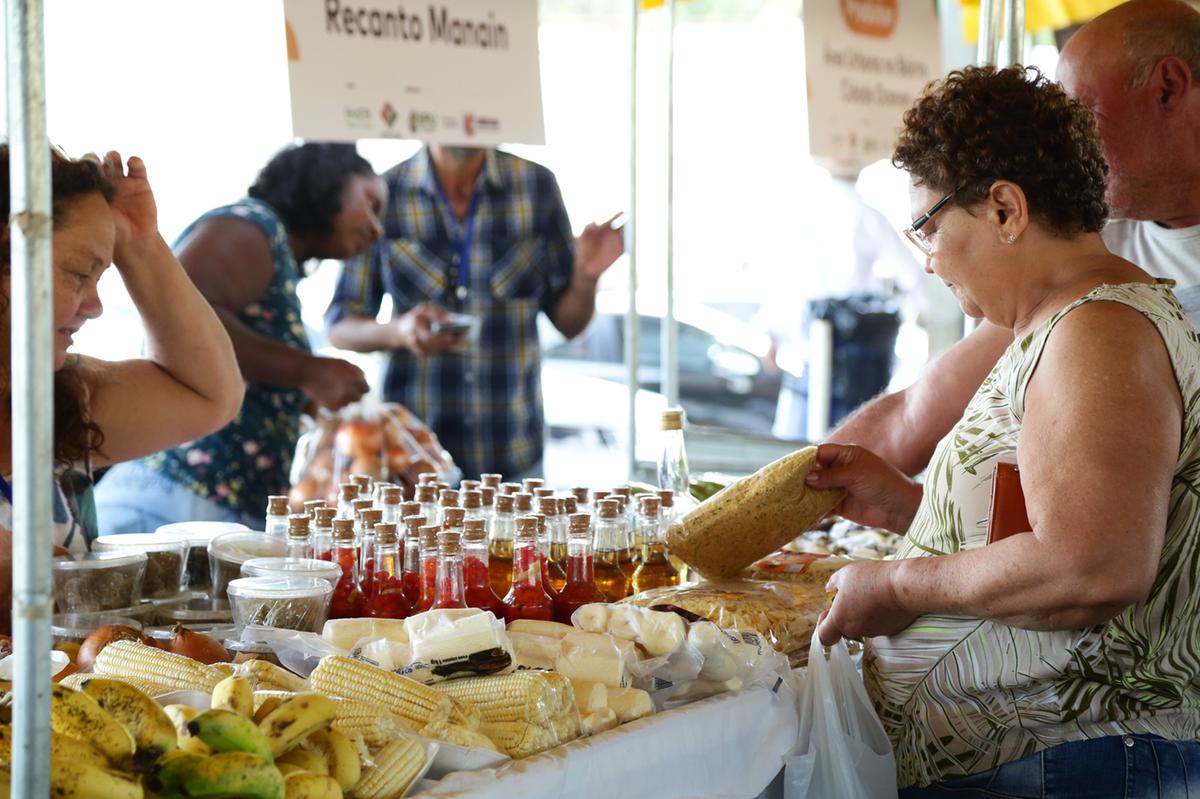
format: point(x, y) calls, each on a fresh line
point(1014, 31)
point(32, 394)
point(670, 328)
point(632, 326)
point(991, 17)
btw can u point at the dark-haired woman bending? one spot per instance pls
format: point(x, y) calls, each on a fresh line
point(311, 201)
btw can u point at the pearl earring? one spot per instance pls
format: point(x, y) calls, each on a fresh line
point(1012, 239)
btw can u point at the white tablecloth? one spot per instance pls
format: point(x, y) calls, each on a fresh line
point(729, 746)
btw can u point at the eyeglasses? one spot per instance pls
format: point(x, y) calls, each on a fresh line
point(913, 232)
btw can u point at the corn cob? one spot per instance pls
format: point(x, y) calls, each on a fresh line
point(464, 714)
point(123, 659)
point(396, 766)
point(266, 676)
point(228, 669)
point(517, 738)
point(521, 696)
point(148, 687)
point(366, 720)
point(338, 675)
point(564, 693)
point(566, 727)
point(457, 734)
point(261, 697)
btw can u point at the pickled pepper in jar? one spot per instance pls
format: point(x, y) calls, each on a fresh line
point(387, 596)
point(429, 560)
point(581, 588)
point(412, 558)
point(476, 575)
point(527, 599)
point(347, 601)
point(449, 591)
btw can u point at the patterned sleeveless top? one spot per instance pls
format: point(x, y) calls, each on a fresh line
point(239, 466)
point(961, 695)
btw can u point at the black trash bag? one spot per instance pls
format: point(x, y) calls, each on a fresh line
point(865, 327)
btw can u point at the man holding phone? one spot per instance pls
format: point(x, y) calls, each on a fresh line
point(476, 243)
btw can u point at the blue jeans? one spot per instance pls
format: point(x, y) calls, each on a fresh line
point(132, 498)
point(1115, 767)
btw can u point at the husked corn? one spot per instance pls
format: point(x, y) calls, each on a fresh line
point(458, 734)
point(266, 676)
point(521, 696)
point(464, 714)
point(519, 739)
point(148, 687)
point(396, 766)
point(338, 675)
point(356, 718)
point(133, 659)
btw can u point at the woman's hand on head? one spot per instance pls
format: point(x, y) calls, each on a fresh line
point(866, 603)
point(877, 494)
point(134, 210)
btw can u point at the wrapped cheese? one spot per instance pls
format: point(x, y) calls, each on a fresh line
point(345, 633)
point(598, 722)
point(595, 658)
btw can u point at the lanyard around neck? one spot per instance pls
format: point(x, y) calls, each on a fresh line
point(461, 268)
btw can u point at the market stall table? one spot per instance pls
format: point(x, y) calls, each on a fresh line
point(729, 745)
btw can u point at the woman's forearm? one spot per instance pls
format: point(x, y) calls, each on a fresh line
point(184, 337)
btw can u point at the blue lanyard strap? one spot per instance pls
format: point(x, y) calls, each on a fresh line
point(463, 267)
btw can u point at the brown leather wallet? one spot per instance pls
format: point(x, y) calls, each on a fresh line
point(1007, 516)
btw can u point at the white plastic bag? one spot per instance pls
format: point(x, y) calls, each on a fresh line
point(842, 749)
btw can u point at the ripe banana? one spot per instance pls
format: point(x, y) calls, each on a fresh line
point(266, 701)
point(77, 715)
point(306, 759)
point(311, 786)
point(77, 779)
point(287, 768)
point(234, 693)
point(341, 754)
point(66, 748)
point(180, 715)
point(226, 731)
point(295, 719)
point(229, 774)
point(167, 778)
point(152, 729)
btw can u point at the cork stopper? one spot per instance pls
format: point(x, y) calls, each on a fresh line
point(363, 481)
point(325, 517)
point(392, 495)
point(360, 505)
point(608, 509)
point(427, 478)
point(490, 480)
point(523, 502)
point(580, 523)
point(530, 483)
point(277, 505)
point(313, 505)
point(548, 506)
point(540, 493)
point(672, 419)
point(620, 491)
point(452, 518)
point(488, 496)
point(527, 528)
point(385, 534)
point(428, 534)
point(510, 488)
point(581, 494)
point(370, 518)
point(470, 485)
point(413, 524)
point(426, 493)
point(449, 544)
point(505, 503)
point(597, 496)
point(448, 498)
point(650, 505)
point(298, 525)
point(347, 492)
point(442, 486)
point(667, 498)
point(472, 500)
point(343, 530)
point(568, 505)
point(410, 509)
point(475, 531)
point(621, 502)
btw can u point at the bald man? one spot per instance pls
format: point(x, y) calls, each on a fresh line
point(1138, 68)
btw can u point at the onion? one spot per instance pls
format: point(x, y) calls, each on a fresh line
point(102, 637)
point(197, 646)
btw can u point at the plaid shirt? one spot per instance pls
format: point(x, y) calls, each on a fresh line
point(485, 403)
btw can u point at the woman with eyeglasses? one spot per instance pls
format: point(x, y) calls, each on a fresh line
point(103, 214)
point(1062, 659)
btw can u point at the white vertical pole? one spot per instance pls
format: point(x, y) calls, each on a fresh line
point(32, 386)
point(670, 328)
point(820, 377)
point(1014, 32)
point(991, 15)
point(632, 326)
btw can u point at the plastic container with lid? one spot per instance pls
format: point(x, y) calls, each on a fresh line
point(166, 557)
point(290, 603)
point(100, 581)
point(196, 610)
point(74, 627)
point(292, 567)
point(227, 553)
point(198, 535)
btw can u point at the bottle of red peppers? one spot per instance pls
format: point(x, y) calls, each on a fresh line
point(429, 558)
point(387, 598)
point(476, 574)
point(412, 557)
point(347, 601)
point(581, 588)
point(527, 599)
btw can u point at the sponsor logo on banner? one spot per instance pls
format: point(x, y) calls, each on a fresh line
point(358, 117)
point(871, 17)
point(388, 114)
point(421, 121)
point(469, 124)
point(487, 124)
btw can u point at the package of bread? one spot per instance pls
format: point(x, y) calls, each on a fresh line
point(784, 613)
point(752, 517)
point(796, 567)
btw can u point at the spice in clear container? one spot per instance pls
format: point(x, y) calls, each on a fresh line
point(227, 553)
point(198, 535)
point(289, 603)
point(166, 559)
point(292, 567)
point(98, 582)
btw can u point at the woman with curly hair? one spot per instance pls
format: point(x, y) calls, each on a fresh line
point(104, 214)
point(309, 202)
point(1064, 659)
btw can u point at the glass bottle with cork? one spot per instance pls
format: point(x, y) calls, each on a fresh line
point(500, 544)
point(447, 498)
point(411, 576)
point(476, 574)
point(548, 573)
point(347, 493)
point(427, 496)
point(527, 598)
point(656, 569)
point(510, 488)
point(449, 591)
point(377, 491)
point(428, 536)
point(607, 545)
point(583, 499)
point(347, 600)
point(469, 485)
point(299, 536)
point(365, 484)
point(277, 515)
point(390, 500)
point(581, 588)
point(630, 556)
point(427, 478)
point(487, 499)
point(530, 483)
point(472, 503)
point(322, 533)
point(311, 506)
point(556, 539)
point(367, 519)
point(673, 462)
point(388, 600)
point(490, 480)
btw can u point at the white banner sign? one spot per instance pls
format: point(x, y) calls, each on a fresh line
point(867, 60)
point(450, 72)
